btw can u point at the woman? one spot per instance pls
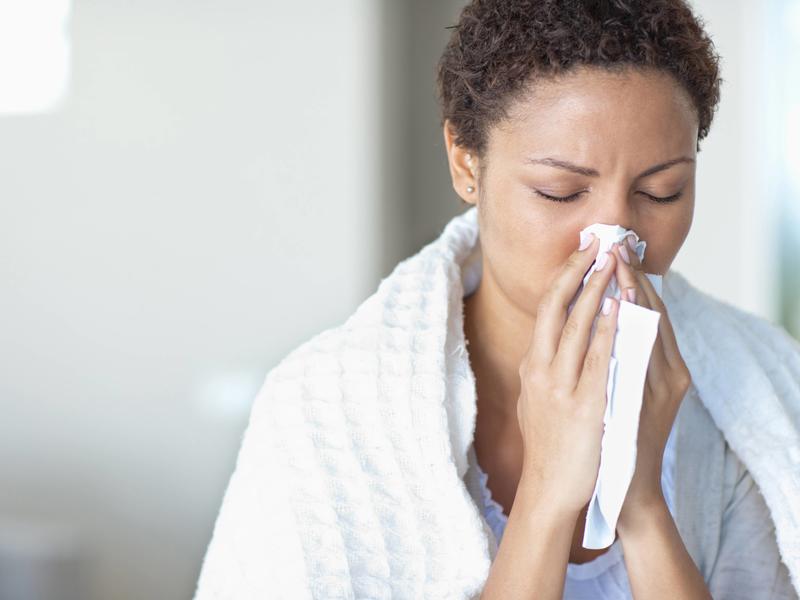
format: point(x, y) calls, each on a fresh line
point(386, 458)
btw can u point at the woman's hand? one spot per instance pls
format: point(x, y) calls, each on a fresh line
point(667, 381)
point(563, 395)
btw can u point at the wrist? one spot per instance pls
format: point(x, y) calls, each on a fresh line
point(640, 512)
point(545, 503)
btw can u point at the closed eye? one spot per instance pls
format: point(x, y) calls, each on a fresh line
point(569, 198)
point(664, 199)
point(573, 197)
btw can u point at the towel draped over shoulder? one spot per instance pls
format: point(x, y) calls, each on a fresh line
point(355, 477)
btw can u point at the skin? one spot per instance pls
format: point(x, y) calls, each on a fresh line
point(540, 406)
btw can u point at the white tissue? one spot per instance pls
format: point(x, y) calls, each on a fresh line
point(637, 327)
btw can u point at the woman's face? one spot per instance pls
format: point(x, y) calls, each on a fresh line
point(614, 141)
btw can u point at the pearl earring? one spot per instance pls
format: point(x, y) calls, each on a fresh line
point(470, 189)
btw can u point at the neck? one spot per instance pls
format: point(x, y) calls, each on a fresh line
point(499, 333)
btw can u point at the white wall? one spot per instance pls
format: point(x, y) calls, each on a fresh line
point(731, 251)
point(204, 201)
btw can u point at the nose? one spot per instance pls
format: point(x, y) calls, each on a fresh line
point(616, 208)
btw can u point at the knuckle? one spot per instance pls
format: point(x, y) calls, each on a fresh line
point(585, 407)
point(605, 326)
point(684, 378)
point(559, 394)
point(596, 278)
point(530, 374)
point(543, 387)
point(523, 369)
point(592, 362)
point(574, 262)
point(571, 328)
point(596, 283)
point(544, 303)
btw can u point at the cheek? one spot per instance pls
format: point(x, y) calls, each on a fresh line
point(533, 258)
point(524, 255)
point(534, 247)
point(661, 251)
point(664, 243)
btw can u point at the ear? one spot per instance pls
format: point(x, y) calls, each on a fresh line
point(463, 167)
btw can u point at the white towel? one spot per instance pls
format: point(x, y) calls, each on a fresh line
point(349, 480)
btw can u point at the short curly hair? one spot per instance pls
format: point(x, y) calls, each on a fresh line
point(499, 47)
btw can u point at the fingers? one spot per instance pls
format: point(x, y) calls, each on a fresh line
point(631, 275)
point(575, 334)
point(552, 310)
point(649, 298)
point(593, 379)
point(666, 367)
point(626, 265)
point(665, 329)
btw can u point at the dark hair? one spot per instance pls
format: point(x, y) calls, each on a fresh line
point(498, 47)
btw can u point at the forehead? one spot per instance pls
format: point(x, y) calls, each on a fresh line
point(589, 109)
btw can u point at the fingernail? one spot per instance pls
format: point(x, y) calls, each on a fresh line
point(631, 242)
point(601, 261)
point(606, 305)
point(624, 253)
point(631, 294)
point(586, 242)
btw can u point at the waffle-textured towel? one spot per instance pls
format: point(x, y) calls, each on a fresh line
point(351, 480)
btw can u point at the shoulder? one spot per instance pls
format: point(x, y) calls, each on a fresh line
point(304, 372)
point(707, 311)
point(321, 352)
point(715, 334)
point(380, 330)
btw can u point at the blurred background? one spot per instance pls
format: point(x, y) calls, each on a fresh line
point(190, 190)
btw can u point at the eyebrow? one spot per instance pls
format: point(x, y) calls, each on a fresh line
point(588, 171)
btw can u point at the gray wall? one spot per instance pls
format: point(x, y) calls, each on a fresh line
point(204, 200)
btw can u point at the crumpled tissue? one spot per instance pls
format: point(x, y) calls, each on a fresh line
point(637, 327)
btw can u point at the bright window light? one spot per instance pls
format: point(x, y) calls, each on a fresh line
point(34, 55)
